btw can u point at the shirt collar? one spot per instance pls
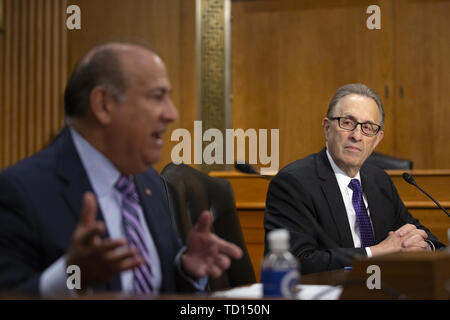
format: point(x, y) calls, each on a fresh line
point(101, 172)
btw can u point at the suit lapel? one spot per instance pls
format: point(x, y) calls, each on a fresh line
point(151, 210)
point(71, 171)
point(331, 190)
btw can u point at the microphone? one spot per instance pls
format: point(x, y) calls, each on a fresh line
point(249, 169)
point(409, 178)
point(245, 168)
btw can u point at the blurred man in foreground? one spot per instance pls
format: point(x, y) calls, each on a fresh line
point(91, 198)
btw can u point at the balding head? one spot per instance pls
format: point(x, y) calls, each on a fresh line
point(101, 66)
point(119, 99)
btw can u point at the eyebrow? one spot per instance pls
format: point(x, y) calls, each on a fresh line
point(353, 118)
point(161, 90)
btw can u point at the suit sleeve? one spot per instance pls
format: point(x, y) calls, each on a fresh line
point(289, 206)
point(405, 217)
point(20, 266)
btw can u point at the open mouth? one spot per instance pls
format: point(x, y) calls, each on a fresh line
point(158, 137)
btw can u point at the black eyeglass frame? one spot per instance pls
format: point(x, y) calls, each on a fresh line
point(357, 123)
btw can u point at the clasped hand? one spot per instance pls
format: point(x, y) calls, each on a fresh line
point(406, 239)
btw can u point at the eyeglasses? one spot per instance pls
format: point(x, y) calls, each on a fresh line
point(368, 128)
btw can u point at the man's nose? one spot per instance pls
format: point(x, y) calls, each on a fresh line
point(357, 133)
point(170, 112)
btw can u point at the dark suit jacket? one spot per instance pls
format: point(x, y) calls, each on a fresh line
point(40, 203)
point(304, 198)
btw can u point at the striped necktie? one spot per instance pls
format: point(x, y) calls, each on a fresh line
point(365, 226)
point(142, 275)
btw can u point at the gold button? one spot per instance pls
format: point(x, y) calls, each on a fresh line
point(148, 192)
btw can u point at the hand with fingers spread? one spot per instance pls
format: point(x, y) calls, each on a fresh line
point(99, 259)
point(207, 254)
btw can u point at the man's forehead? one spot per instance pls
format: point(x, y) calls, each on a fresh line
point(137, 56)
point(144, 66)
point(360, 107)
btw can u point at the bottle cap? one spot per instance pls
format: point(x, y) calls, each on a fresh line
point(278, 240)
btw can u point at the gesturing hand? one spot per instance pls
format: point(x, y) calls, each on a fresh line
point(99, 259)
point(207, 254)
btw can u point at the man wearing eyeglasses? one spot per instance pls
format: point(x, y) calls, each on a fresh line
point(333, 205)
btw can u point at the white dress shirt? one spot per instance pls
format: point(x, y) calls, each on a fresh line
point(343, 181)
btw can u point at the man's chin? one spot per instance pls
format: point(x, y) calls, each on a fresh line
point(352, 161)
point(153, 159)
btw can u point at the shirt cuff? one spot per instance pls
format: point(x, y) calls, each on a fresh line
point(369, 252)
point(53, 281)
point(200, 284)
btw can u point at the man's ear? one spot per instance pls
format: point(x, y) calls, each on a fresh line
point(380, 136)
point(100, 101)
point(326, 127)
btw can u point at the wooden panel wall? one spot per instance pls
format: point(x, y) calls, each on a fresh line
point(167, 26)
point(289, 57)
point(32, 76)
point(423, 81)
point(37, 54)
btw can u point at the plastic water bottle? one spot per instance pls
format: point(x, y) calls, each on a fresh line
point(280, 269)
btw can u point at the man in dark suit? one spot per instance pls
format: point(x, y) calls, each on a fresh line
point(335, 206)
point(91, 198)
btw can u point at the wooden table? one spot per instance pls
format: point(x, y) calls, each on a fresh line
point(331, 278)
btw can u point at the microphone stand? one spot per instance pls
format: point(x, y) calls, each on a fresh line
point(409, 178)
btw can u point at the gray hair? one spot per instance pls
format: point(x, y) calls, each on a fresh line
point(359, 89)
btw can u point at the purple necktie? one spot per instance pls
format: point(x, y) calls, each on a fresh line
point(142, 275)
point(365, 227)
